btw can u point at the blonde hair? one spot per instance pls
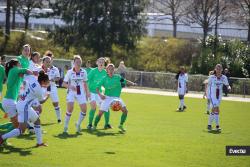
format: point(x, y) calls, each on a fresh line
point(110, 64)
point(76, 57)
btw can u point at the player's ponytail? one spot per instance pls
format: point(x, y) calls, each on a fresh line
point(42, 77)
point(9, 65)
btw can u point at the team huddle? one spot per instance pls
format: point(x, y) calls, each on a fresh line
point(30, 84)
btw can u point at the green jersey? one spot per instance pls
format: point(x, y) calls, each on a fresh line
point(94, 77)
point(24, 61)
point(14, 82)
point(2, 76)
point(88, 70)
point(112, 85)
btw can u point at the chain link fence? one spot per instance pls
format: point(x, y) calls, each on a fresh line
point(240, 86)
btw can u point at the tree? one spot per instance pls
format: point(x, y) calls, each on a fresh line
point(25, 7)
point(203, 13)
point(243, 13)
point(98, 24)
point(173, 8)
point(7, 22)
point(13, 5)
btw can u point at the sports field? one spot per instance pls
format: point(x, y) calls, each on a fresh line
point(156, 135)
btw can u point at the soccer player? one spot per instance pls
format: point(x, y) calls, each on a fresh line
point(76, 82)
point(215, 86)
point(88, 67)
point(94, 77)
point(182, 87)
point(113, 84)
point(54, 76)
point(14, 81)
point(25, 56)
point(32, 91)
point(206, 93)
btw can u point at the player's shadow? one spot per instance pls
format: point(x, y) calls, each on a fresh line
point(214, 131)
point(48, 124)
point(101, 133)
point(67, 135)
point(8, 149)
point(27, 136)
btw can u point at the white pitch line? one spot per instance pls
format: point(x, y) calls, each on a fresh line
point(193, 95)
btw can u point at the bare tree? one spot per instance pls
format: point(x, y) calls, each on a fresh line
point(242, 13)
point(175, 9)
point(7, 22)
point(25, 8)
point(13, 5)
point(205, 12)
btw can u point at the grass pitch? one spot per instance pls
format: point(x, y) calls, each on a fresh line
point(157, 136)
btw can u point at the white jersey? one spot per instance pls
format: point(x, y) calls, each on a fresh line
point(215, 86)
point(34, 67)
point(182, 83)
point(76, 79)
point(53, 73)
point(32, 91)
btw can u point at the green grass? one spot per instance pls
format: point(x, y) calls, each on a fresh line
point(157, 136)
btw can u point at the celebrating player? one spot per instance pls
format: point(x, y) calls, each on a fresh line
point(215, 85)
point(76, 82)
point(94, 77)
point(113, 84)
point(182, 87)
point(32, 91)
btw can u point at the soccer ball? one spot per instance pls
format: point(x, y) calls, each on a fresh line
point(116, 105)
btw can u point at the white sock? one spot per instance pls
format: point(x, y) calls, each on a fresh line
point(81, 117)
point(181, 103)
point(211, 118)
point(216, 116)
point(38, 133)
point(67, 118)
point(58, 113)
point(13, 133)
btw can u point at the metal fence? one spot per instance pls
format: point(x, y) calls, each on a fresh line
point(240, 86)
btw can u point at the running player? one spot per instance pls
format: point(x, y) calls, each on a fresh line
point(76, 82)
point(113, 84)
point(182, 87)
point(215, 86)
point(94, 77)
point(32, 91)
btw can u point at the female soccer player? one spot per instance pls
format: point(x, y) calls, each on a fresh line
point(25, 56)
point(206, 93)
point(54, 76)
point(113, 84)
point(215, 85)
point(76, 82)
point(14, 81)
point(182, 87)
point(32, 91)
point(94, 77)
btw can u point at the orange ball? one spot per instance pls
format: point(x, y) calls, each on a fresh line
point(116, 105)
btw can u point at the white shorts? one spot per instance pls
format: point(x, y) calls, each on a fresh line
point(214, 101)
point(54, 94)
point(72, 96)
point(107, 102)
point(181, 91)
point(9, 106)
point(95, 97)
point(26, 113)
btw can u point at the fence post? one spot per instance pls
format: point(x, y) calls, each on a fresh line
point(141, 79)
